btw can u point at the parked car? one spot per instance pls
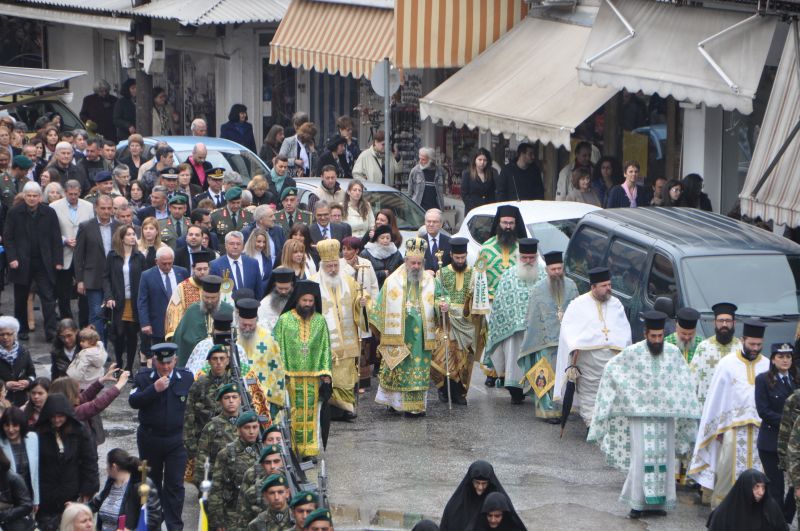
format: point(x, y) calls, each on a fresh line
point(693, 258)
point(222, 153)
point(552, 222)
point(410, 216)
point(30, 111)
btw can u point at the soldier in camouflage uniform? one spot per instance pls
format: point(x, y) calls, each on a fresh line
point(202, 404)
point(251, 502)
point(277, 517)
point(230, 217)
point(12, 180)
point(232, 462)
point(302, 505)
point(220, 431)
point(790, 414)
point(103, 185)
point(174, 226)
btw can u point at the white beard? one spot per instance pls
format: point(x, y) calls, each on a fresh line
point(333, 282)
point(527, 272)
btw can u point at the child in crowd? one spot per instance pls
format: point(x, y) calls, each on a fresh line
point(87, 365)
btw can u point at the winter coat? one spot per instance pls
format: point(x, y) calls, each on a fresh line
point(32, 449)
point(383, 267)
point(87, 365)
point(21, 369)
point(131, 504)
point(416, 185)
point(14, 492)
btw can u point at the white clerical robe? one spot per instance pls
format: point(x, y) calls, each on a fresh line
point(705, 360)
point(730, 411)
point(267, 315)
point(598, 330)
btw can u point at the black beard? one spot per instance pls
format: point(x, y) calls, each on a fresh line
point(459, 268)
point(724, 335)
point(305, 311)
point(655, 348)
point(507, 237)
point(750, 354)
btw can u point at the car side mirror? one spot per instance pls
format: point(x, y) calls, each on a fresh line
point(665, 304)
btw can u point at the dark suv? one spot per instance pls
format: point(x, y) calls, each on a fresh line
point(693, 258)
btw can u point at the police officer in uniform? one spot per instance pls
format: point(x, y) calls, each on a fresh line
point(231, 216)
point(174, 226)
point(160, 396)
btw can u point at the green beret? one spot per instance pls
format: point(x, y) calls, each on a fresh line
point(268, 450)
point(291, 190)
point(246, 418)
point(318, 514)
point(215, 349)
point(178, 199)
point(302, 498)
point(233, 194)
point(22, 162)
point(272, 429)
point(227, 388)
point(275, 480)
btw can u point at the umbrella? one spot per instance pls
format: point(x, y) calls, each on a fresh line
point(325, 394)
point(573, 372)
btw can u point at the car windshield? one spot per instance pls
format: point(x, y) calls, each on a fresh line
point(760, 285)
point(553, 235)
point(410, 216)
point(243, 162)
point(31, 112)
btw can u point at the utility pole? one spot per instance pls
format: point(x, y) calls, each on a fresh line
point(144, 81)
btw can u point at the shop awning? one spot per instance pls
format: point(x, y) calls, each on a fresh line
point(450, 33)
point(67, 17)
point(775, 195)
point(542, 100)
point(205, 12)
point(16, 80)
point(658, 47)
point(311, 36)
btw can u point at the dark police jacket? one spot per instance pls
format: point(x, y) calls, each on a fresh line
point(161, 413)
point(769, 403)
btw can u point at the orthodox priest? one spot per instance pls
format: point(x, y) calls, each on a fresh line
point(508, 322)
point(456, 281)
point(726, 441)
point(302, 336)
point(188, 292)
point(594, 329)
point(405, 316)
point(537, 360)
point(712, 350)
point(345, 313)
point(685, 336)
point(194, 325)
point(279, 290)
point(645, 415)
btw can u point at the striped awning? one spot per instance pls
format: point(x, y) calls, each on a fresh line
point(312, 36)
point(450, 33)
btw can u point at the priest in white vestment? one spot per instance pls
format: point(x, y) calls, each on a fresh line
point(279, 290)
point(726, 440)
point(713, 349)
point(593, 330)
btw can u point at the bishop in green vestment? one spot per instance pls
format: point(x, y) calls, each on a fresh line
point(302, 336)
point(546, 306)
point(194, 325)
point(646, 414)
point(405, 315)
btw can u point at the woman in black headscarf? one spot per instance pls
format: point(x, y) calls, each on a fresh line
point(468, 498)
point(497, 513)
point(425, 525)
point(748, 507)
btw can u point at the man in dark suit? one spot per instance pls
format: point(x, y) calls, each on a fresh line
point(194, 244)
point(92, 247)
point(240, 268)
point(155, 289)
point(32, 240)
point(323, 229)
point(264, 217)
point(201, 218)
point(436, 240)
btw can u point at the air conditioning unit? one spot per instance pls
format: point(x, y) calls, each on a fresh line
point(154, 52)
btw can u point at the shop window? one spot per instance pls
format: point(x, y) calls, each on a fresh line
point(586, 250)
point(626, 262)
point(662, 282)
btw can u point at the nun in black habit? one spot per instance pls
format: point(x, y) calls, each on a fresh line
point(497, 514)
point(744, 509)
point(468, 498)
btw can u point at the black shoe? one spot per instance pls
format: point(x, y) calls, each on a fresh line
point(410, 415)
point(556, 420)
point(392, 410)
point(490, 380)
point(656, 512)
point(634, 514)
point(443, 395)
point(517, 396)
point(23, 336)
point(460, 400)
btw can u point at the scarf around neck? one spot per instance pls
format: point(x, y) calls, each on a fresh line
point(9, 356)
point(278, 180)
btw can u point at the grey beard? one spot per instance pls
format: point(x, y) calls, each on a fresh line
point(207, 309)
point(527, 271)
point(557, 287)
point(334, 281)
point(247, 335)
point(680, 344)
point(278, 302)
point(414, 276)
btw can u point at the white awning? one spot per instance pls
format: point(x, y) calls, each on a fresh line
point(14, 80)
point(67, 17)
point(204, 12)
point(698, 54)
point(778, 197)
point(525, 84)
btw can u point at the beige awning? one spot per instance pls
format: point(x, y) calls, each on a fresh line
point(87, 20)
point(525, 84)
point(778, 198)
point(654, 47)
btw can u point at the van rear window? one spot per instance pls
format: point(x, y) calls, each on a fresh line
point(587, 249)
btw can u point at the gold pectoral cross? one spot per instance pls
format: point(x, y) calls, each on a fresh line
point(602, 318)
point(605, 331)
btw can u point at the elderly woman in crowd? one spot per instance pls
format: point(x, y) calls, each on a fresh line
point(77, 517)
point(16, 366)
point(53, 192)
point(426, 181)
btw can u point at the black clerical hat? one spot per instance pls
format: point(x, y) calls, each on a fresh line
point(222, 320)
point(554, 257)
point(687, 318)
point(598, 275)
point(654, 320)
point(458, 245)
point(211, 283)
point(528, 246)
point(727, 308)
point(248, 308)
point(753, 328)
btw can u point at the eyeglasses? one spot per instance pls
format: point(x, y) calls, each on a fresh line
point(724, 321)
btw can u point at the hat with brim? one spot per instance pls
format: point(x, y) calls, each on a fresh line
point(164, 352)
point(102, 177)
point(781, 348)
point(216, 173)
